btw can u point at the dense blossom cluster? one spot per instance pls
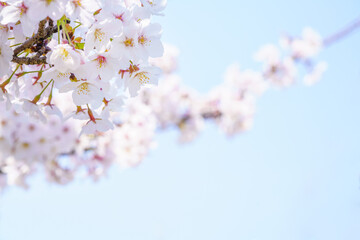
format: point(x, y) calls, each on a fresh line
point(97, 50)
point(76, 89)
point(280, 62)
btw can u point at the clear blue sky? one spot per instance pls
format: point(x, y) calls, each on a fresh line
point(294, 176)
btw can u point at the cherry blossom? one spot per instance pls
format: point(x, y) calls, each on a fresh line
point(65, 58)
point(39, 9)
point(18, 11)
point(85, 84)
point(5, 56)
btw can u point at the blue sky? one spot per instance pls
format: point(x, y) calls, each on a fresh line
point(295, 175)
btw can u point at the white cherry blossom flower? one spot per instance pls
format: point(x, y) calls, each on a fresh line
point(315, 75)
point(97, 124)
point(154, 6)
point(144, 76)
point(269, 54)
point(82, 10)
point(126, 44)
point(33, 110)
point(245, 81)
point(65, 58)
point(18, 11)
point(117, 11)
point(149, 40)
point(168, 62)
point(60, 78)
point(40, 9)
point(5, 56)
point(99, 35)
point(105, 65)
point(308, 46)
point(84, 92)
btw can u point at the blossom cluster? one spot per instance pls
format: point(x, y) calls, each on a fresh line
point(77, 93)
point(97, 50)
point(280, 63)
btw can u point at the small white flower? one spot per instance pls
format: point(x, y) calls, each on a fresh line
point(84, 92)
point(40, 9)
point(247, 81)
point(33, 110)
point(97, 124)
point(168, 62)
point(126, 45)
point(105, 65)
point(115, 10)
point(18, 11)
point(154, 6)
point(5, 56)
point(149, 40)
point(99, 35)
point(315, 75)
point(82, 10)
point(308, 46)
point(60, 78)
point(65, 58)
point(145, 75)
point(269, 54)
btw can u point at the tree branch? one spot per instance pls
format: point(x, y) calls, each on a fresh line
point(342, 33)
point(37, 43)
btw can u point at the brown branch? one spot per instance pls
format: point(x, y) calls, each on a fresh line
point(342, 33)
point(31, 41)
point(211, 115)
point(29, 61)
point(41, 31)
point(37, 44)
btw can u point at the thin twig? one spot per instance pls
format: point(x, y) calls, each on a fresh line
point(342, 33)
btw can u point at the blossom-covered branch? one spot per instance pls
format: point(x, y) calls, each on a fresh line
point(78, 95)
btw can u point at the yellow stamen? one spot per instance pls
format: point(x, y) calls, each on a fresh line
point(99, 35)
point(142, 40)
point(129, 42)
point(143, 79)
point(83, 89)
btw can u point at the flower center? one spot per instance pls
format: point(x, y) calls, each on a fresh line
point(101, 61)
point(25, 145)
point(129, 42)
point(143, 79)
point(64, 53)
point(77, 3)
point(48, 2)
point(142, 40)
point(63, 75)
point(120, 17)
point(83, 88)
point(99, 35)
point(23, 9)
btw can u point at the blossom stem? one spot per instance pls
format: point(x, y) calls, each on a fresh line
point(3, 85)
point(39, 74)
point(63, 23)
point(58, 30)
point(32, 72)
point(50, 95)
point(91, 115)
point(79, 24)
point(15, 45)
point(37, 97)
